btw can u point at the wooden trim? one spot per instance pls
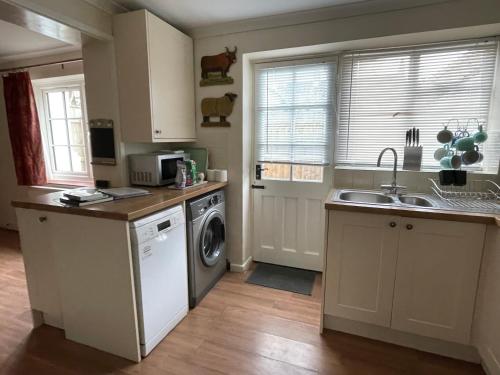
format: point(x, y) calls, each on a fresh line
point(126, 209)
point(245, 266)
point(489, 362)
point(416, 212)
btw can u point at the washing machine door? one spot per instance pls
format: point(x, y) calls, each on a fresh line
point(212, 239)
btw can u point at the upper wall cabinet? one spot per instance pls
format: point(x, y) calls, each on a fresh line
point(155, 79)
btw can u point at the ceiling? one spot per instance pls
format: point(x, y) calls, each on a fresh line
point(189, 14)
point(25, 43)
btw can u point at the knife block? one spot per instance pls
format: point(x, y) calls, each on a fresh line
point(412, 160)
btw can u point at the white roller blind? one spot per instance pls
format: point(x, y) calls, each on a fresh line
point(294, 113)
point(385, 92)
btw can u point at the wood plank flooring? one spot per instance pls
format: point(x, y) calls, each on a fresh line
point(238, 328)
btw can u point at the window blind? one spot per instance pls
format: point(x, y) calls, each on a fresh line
point(385, 92)
point(294, 113)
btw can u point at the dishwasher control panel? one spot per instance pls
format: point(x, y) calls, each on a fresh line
point(159, 223)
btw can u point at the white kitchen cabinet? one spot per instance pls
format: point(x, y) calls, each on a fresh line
point(361, 266)
point(80, 277)
point(155, 79)
point(35, 232)
point(413, 275)
point(436, 279)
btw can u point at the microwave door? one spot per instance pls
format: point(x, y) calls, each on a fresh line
point(169, 169)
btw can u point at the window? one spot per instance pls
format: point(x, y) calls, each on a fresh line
point(385, 92)
point(294, 114)
point(61, 107)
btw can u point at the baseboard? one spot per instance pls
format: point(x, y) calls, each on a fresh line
point(490, 363)
point(242, 267)
point(426, 344)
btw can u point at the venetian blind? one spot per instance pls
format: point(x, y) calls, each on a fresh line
point(294, 113)
point(385, 92)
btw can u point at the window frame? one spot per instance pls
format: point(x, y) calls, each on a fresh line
point(363, 166)
point(293, 61)
point(56, 84)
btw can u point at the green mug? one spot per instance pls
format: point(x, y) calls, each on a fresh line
point(451, 162)
point(465, 144)
point(481, 136)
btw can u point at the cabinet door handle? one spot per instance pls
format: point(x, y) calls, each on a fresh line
point(392, 224)
point(409, 226)
point(42, 219)
point(157, 131)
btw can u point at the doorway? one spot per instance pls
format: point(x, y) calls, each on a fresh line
point(293, 137)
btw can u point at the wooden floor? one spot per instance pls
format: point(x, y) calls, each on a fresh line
point(237, 329)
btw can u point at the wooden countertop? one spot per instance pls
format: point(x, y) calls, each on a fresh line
point(123, 209)
point(417, 212)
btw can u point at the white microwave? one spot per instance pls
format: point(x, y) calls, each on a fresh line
point(155, 169)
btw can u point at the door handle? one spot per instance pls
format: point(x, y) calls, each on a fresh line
point(258, 171)
point(258, 186)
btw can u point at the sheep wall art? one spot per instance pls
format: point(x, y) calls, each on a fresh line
point(217, 107)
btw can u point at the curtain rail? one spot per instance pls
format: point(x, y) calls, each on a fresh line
point(9, 70)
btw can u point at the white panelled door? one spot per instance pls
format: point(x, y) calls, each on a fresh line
point(289, 223)
point(294, 116)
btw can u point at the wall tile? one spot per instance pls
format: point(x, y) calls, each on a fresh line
point(362, 179)
point(342, 179)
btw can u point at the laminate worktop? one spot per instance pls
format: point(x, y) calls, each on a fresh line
point(123, 209)
point(411, 211)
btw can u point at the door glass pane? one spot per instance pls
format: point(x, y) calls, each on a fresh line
point(272, 171)
point(78, 159)
point(73, 104)
point(61, 159)
point(56, 104)
point(76, 132)
point(58, 129)
point(310, 173)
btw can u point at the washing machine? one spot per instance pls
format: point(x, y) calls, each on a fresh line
point(206, 229)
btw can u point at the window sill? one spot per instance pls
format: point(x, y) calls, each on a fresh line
point(58, 186)
point(385, 169)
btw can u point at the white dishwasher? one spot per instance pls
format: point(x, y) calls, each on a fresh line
point(160, 272)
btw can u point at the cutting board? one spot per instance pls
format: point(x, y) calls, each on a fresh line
point(200, 156)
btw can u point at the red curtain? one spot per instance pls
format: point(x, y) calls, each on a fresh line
point(24, 129)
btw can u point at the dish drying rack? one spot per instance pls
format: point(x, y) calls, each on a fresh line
point(477, 195)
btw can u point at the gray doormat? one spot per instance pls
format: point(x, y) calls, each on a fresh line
point(284, 278)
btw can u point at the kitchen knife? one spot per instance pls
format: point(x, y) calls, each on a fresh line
point(414, 134)
point(418, 137)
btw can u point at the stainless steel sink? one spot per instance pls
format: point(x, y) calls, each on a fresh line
point(365, 197)
point(415, 201)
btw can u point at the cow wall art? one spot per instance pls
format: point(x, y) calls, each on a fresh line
point(214, 69)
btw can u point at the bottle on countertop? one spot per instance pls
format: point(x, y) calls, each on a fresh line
point(181, 176)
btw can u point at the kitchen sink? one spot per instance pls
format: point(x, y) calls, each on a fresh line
point(365, 197)
point(415, 201)
point(375, 197)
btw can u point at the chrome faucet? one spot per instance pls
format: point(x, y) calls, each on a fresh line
point(393, 187)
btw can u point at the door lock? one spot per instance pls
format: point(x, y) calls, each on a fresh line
point(258, 171)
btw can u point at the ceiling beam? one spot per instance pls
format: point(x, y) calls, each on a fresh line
point(64, 20)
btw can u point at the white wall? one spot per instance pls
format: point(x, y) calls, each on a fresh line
point(231, 148)
point(8, 183)
point(486, 332)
